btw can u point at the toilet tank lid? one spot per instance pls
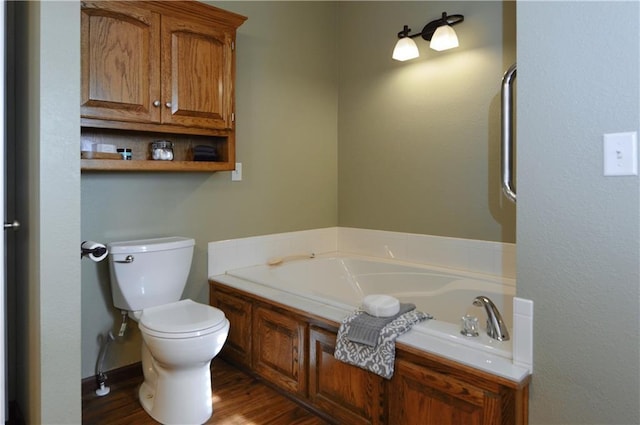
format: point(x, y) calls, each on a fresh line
point(150, 245)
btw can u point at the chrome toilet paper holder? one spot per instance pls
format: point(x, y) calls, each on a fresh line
point(94, 250)
point(98, 251)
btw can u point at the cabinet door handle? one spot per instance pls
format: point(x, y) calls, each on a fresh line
point(168, 104)
point(156, 103)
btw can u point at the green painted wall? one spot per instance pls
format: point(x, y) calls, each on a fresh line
point(578, 231)
point(419, 140)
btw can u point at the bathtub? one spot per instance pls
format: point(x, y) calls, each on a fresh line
point(334, 285)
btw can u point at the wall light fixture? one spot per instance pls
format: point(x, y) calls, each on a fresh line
point(438, 32)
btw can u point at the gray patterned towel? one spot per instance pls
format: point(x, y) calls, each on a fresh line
point(366, 328)
point(381, 358)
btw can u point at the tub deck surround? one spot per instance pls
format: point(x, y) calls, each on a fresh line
point(289, 341)
point(341, 281)
point(438, 337)
point(284, 321)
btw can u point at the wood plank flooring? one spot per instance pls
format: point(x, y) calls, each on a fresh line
point(238, 399)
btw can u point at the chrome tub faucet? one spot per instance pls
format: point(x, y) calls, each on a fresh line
point(496, 328)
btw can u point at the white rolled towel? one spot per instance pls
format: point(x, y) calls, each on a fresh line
point(381, 305)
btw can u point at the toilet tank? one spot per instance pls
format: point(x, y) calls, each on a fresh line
point(149, 272)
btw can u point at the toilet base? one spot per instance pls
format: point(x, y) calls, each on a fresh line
point(177, 375)
point(179, 397)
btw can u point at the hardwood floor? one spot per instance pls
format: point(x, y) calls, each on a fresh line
point(238, 399)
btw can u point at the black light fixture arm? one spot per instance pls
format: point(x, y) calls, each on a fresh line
point(431, 27)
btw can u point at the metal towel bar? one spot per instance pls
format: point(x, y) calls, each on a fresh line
point(507, 133)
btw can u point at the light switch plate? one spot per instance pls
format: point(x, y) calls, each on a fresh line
point(621, 154)
point(236, 175)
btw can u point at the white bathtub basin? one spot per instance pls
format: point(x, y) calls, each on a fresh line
point(333, 286)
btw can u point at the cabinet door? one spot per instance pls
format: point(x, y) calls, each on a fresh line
point(420, 396)
point(350, 394)
point(237, 348)
point(120, 64)
point(197, 75)
point(279, 349)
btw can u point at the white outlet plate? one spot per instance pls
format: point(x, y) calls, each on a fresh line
point(236, 175)
point(621, 154)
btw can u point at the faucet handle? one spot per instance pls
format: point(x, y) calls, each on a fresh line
point(469, 325)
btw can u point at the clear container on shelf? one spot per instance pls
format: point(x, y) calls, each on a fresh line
point(162, 150)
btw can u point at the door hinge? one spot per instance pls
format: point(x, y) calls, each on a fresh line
point(233, 117)
point(233, 45)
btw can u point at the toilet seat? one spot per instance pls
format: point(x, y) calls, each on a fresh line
point(181, 319)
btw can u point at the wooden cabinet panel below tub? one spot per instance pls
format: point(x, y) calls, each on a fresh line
point(437, 399)
point(279, 349)
point(237, 309)
point(352, 395)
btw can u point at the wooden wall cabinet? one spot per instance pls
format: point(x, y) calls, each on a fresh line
point(159, 67)
point(197, 83)
point(120, 50)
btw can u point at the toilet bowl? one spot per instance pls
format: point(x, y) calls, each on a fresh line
point(179, 341)
point(180, 337)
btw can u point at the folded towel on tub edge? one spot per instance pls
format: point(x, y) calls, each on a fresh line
point(379, 359)
point(365, 328)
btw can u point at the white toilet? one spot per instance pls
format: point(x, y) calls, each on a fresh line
point(180, 338)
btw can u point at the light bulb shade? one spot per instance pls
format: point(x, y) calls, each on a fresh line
point(405, 49)
point(444, 38)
